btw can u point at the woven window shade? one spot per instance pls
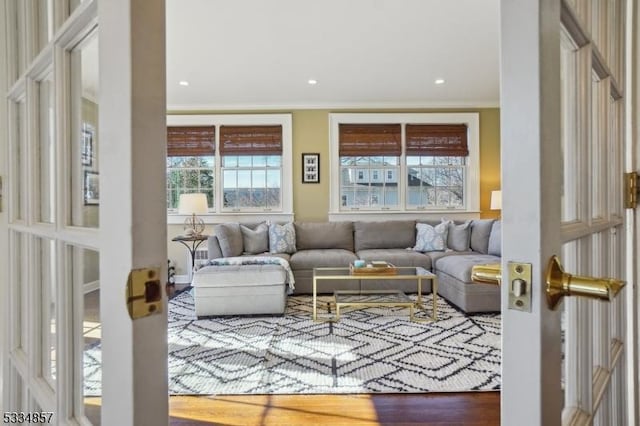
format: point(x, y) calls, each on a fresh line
point(189, 141)
point(438, 140)
point(250, 140)
point(370, 139)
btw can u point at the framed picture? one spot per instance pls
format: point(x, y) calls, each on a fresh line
point(87, 144)
point(311, 168)
point(91, 188)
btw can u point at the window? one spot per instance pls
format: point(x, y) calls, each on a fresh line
point(190, 163)
point(251, 167)
point(365, 150)
point(435, 159)
point(403, 163)
point(242, 163)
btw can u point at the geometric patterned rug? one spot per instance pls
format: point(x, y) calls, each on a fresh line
point(373, 350)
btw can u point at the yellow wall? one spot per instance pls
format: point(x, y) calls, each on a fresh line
point(311, 134)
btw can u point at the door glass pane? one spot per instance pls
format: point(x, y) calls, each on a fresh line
point(570, 155)
point(18, 293)
point(46, 272)
point(18, 160)
point(19, 38)
point(86, 279)
point(598, 154)
point(85, 170)
point(44, 10)
point(45, 151)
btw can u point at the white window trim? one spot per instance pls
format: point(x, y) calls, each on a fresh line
point(218, 214)
point(472, 187)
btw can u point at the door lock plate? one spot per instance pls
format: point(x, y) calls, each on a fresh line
point(144, 293)
point(519, 282)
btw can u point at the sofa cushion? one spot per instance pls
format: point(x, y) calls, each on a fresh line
point(397, 257)
point(255, 240)
point(282, 238)
point(321, 258)
point(324, 235)
point(213, 248)
point(435, 255)
point(480, 230)
point(229, 238)
point(431, 238)
point(460, 266)
point(459, 236)
point(495, 239)
point(386, 234)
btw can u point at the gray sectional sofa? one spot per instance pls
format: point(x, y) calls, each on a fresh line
point(337, 244)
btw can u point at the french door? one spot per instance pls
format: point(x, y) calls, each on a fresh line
point(84, 110)
point(565, 104)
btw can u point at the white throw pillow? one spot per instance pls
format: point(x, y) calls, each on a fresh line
point(431, 238)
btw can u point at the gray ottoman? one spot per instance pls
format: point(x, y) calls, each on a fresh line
point(240, 290)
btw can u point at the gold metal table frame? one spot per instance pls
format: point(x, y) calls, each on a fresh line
point(404, 273)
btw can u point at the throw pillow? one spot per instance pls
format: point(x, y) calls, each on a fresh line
point(431, 238)
point(480, 230)
point(459, 236)
point(495, 239)
point(282, 238)
point(255, 240)
point(229, 238)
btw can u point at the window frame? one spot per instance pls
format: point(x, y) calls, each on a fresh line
point(219, 213)
point(472, 171)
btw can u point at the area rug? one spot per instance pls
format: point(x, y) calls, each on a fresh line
point(373, 350)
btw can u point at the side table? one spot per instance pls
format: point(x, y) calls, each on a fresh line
point(191, 242)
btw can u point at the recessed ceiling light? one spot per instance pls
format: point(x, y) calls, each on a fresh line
point(312, 81)
point(183, 83)
point(439, 81)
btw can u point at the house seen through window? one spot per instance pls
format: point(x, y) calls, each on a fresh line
point(402, 166)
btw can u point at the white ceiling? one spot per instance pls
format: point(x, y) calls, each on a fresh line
point(363, 53)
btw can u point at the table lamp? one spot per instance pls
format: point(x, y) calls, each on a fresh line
point(192, 204)
point(496, 200)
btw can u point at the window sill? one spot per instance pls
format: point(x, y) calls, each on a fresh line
point(377, 215)
point(241, 217)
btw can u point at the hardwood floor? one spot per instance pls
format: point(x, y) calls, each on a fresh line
point(469, 408)
point(479, 408)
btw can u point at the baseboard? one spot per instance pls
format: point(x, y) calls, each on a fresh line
point(91, 286)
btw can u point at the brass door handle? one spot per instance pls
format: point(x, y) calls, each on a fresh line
point(560, 284)
point(490, 273)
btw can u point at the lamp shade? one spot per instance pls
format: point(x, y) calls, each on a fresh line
point(192, 204)
point(496, 200)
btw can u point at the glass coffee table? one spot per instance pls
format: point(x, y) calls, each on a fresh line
point(367, 298)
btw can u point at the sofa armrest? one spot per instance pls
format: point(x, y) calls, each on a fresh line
point(214, 250)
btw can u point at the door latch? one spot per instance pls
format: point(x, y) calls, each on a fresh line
point(519, 281)
point(144, 293)
point(631, 190)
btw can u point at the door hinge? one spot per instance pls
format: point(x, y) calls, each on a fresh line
point(631, 190)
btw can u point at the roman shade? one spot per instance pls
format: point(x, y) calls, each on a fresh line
point(251, 140)
point(191, 141)
point(370, 139)
point(438, 140)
